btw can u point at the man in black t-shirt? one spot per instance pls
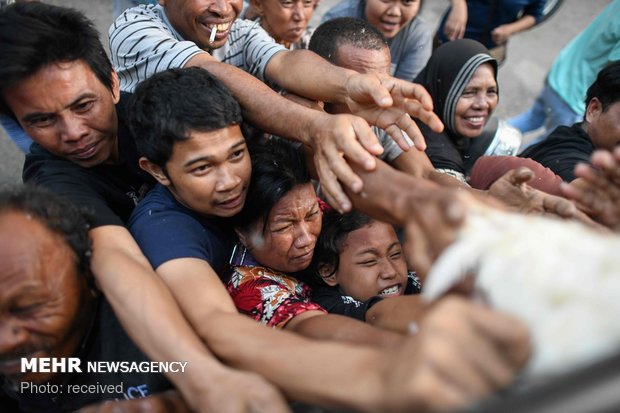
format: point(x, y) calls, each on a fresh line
point(57, 82)
point(55, 312)
point(567, 146)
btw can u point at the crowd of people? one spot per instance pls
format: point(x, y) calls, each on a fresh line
point(264, 201)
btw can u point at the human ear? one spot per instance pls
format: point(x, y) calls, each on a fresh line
point(116, 89)
point(328, 275)
point(154, 170)
point(593, 110)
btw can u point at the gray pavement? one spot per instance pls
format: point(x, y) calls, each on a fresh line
point(521, 77)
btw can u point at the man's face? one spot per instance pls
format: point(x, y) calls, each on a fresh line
point(603, 127)
point(210, 172)
point(67, 110)
point(42, 298)
point(195, 19)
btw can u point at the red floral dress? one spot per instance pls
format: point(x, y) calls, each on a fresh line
point(269, 296)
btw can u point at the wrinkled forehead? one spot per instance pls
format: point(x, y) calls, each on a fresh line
point(363, 60)
point(32, 257)
point(296, 203)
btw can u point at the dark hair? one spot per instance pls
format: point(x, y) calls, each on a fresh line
point(332, 34)
point(328, 247)
point(166, 107)
point(277, 167)
point(56, 213)
point(33, 35)
point(606, 87)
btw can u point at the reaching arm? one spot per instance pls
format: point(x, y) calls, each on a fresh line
point(397, 313)
point(382, 100)
point(457, 20)
point(597, 191)
point(153, 320)
point(501, 34)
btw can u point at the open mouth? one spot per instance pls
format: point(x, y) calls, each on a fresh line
point(392, 291)
point(231, 203)
point(218, 31)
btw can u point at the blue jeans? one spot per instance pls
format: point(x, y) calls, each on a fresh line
point(16, 133)
point(549, 110)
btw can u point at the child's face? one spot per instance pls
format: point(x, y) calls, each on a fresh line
point(372, 263)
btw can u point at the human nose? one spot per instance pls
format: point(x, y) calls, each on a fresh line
point(72, 128)
point(12, 337)
point(227, 179)
point(481, 101)
point(394, 9)
point(304, 237)
point(220, 7)
point(387, 270)
point(298, 12)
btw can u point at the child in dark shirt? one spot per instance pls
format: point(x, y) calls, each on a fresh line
point(358, 262)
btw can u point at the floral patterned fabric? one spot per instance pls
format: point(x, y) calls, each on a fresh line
point(268, 296)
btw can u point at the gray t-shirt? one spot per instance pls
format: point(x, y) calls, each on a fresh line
point(143, 42)
point(410, 48)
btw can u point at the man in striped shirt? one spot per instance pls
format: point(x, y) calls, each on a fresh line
point(181, 33)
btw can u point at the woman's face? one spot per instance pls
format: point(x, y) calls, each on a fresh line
point(389, 16)
point(477, 102)
point(285, 20)
point(293, 225)
point(371, 263)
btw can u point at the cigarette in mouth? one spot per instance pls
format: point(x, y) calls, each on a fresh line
point(213, 33)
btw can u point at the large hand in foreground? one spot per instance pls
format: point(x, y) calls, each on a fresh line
point(597, 191)
point(166, 402)
point(236, 392)
point(462, 352)
point(388, 103)
point(431, 225)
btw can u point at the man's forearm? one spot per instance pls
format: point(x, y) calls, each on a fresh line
point(311, 375)
point(146, 309)
point(305, 73)
point(262, 106)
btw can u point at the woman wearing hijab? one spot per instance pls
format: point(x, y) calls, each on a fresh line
point(461, 77)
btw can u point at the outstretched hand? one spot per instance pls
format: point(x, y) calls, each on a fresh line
point(512, 189)
point(389, 103)
point(462, 352)
point(597, 189)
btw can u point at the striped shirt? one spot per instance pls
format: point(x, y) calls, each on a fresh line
point(143, 42)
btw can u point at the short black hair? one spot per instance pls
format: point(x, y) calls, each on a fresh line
point(606, 87)
point(278, 166)
point(332, 34)
point(166, 107)
point(57, 214)
point(33, 35)
point(336, 228)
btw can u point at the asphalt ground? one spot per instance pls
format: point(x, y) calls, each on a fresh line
point(521, 77)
